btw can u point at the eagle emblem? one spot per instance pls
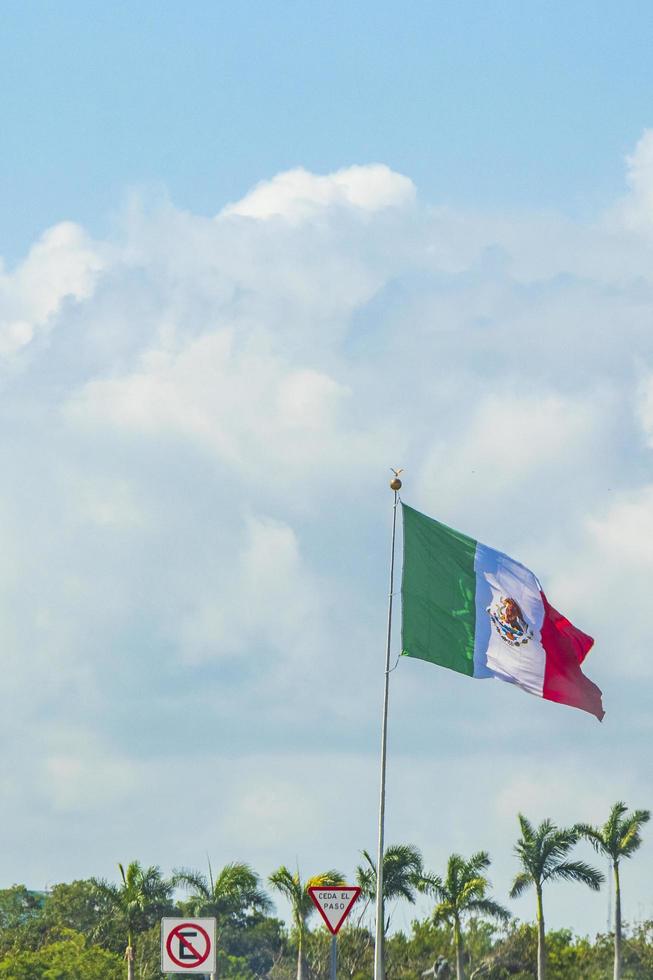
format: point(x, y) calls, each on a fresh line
point(509, 622)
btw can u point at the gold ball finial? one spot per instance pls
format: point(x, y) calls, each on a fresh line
point(395, 483)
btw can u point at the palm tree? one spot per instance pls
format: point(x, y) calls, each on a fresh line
point(141, 898)
point(403, 871)
point(618, 838)
point(297, 894)
point(235, 892)
point(462, 891)
point(543, 855)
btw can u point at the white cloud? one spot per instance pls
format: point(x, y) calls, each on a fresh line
point(297, 194)
point(605, 577)
point(510, 442)
point(633, 213)
point(644, 407)
point(268, 599)
point(623, 533)
point(194, 513)
point(249, 409)
point(639, 208)
point(63, 263)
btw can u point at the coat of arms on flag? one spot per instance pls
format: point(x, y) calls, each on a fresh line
point(509, 622)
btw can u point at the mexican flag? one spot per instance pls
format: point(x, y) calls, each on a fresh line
point(475, 610)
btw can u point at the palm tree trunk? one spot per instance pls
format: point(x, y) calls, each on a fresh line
point(458, 945)
point(302, 971)
point(541, 941)
point(129, 956)
point(617, 923)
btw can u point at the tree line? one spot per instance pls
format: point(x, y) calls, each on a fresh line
point(99, 930)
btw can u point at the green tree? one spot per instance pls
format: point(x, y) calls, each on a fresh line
point(69, 958)
point(232, 894)
point(355, 946)
point(296, 892)
point(235, 892)
point(259, 941)
point(21, 918)
point(428, 943)
point(543, 854)
point(617, 839)
point(141, 898)
point(638, 951)
point(514, 956)
point(78, 906)
point(403, 871)
point(461, 893)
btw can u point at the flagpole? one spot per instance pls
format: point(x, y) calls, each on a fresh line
point(379, 957)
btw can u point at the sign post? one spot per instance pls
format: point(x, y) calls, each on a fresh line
point(334, 905)
point(334, 958)
point(188, 946)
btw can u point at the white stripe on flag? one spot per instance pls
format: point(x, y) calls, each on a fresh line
point(500, 578)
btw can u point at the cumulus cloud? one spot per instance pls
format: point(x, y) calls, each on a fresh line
point(297, 194)
point(512, 440)
point(63, 263)
point(607, 580)
point(251, 410)
point(201, 416)
point(638, 208)
point(268, 600)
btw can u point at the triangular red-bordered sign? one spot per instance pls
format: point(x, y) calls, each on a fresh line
point(334, 903)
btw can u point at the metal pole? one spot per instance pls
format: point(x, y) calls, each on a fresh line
point(334, 957)
point(379, 958)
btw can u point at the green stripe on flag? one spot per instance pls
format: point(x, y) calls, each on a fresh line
point(438, 593)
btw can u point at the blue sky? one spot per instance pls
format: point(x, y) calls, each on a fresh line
point(497, 103)
point(254, 255)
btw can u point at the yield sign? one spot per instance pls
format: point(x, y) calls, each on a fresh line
point(187, 945)
point(334, 904)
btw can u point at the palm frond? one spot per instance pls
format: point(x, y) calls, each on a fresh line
point(237, 888)
point(594, 836)
point(285, 882)
point(443, 912)
point(479, 862)
point(403, 873)
point(109, 892)
point(556, 844)
point(577, 871)
point(463, 889)
point(522, 881)
point(630, 837)
point(191, 880)
point(611, 828)
point(366, 881)
point(370, 860)
point(326, 878)
point(490, 908)
point(620, 835)
point(528, 833)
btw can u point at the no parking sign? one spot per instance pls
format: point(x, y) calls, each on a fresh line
point(187, 945)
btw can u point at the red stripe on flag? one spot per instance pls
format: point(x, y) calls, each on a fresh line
point(566, 647)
